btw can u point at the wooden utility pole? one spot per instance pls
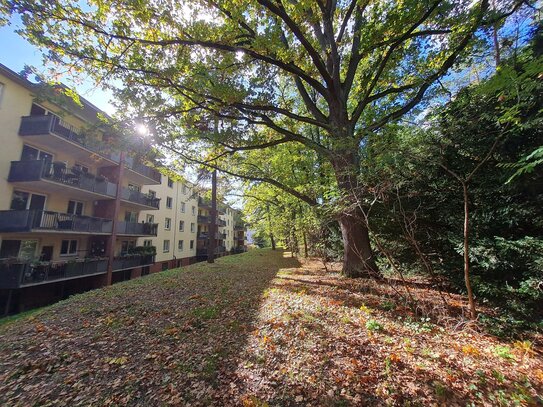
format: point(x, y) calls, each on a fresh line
point(116, 211)
point(213, 221)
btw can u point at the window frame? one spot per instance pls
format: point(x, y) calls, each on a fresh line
point(69, 252)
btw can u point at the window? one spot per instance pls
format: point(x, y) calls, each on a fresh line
point(193, 210)
point(127, 246)
point(31, 153)
point(68, 247)
point(23, 200)
point(182, 207)
point(130, 216)
point(167, 223)
point(192, 227)
point(75, 208)
point(170, 182)
point(181, 225)
point(166, 246)
point(19, 200)
point(150, 218)
point(27, 249)
point(147, 243)
point(180, 245)
point(169, 201)
point(191, 244)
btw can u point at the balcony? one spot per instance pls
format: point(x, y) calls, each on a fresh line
point(139, 200)
point(206, 204)
point(47, 221)
point(203, 219)
point(55, 178)
point(18, 275)
point(205, 236)
point(51, 133)
point(137, 229)
point(139, 172)
point(206, 219)
point(202, 252)
point(132, 261)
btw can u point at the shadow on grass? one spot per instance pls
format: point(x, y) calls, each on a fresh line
point(172, 337)
point(249, 329)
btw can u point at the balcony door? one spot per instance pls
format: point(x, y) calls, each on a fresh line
point(32, 153)
point(21, 201)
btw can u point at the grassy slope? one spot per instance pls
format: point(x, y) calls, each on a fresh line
point(251, 329)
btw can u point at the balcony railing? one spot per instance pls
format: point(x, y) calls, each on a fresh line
point(36, 170)
point(139, 229)
point(28, 220)
point(21, 274)
point(51, 124)
point(207, 219)
point(205, 236)
point(140, 198)
point(132, 261)
point(146, 171)
point(203, 251)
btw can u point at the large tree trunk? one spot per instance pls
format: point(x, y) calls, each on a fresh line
point(358, 257)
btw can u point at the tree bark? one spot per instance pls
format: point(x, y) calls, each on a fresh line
point(358, 257)
point(272, 240)
point(472, 310)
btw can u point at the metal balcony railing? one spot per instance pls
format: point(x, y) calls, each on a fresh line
point(36, 170)
point(51, 124)
point(22, 274)
point(28, 220)
point(140, 198)
point(131, 261)
point(139, 229)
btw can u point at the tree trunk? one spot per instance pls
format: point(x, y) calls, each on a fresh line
point(358, 258)
point(472, 310)
point(272, 240)
point(306, 252)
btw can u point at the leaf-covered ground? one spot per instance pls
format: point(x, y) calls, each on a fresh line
point(258, 329)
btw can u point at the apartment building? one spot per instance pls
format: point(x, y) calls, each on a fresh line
point(76, 213)
point(176, 237)
point(70, 205)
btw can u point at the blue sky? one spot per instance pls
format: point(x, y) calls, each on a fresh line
point(16, 52)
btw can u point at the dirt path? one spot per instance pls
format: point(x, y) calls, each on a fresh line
point(253, 329)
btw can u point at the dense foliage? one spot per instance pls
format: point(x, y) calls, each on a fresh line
point(417, 204)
